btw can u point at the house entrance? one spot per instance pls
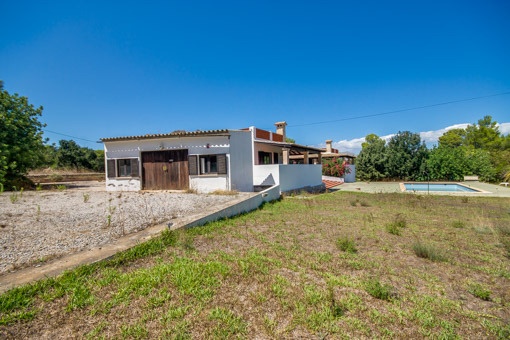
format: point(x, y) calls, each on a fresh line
point(165, 170)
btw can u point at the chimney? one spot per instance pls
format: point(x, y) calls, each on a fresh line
point(329, 149)
point(280, 129)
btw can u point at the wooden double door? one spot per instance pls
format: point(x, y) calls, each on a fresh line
point(165, 170)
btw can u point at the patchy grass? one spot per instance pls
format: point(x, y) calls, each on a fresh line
point(292, 269)
point(225, 192)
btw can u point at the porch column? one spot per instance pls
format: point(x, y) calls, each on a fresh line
point(305, 157)
point(286, 153)
point(319, 158)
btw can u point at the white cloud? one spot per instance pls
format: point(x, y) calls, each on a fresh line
point(429, 137)
point(504, 128)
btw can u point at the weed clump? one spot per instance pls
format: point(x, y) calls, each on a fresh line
point(393, 229)
point(399, 222)
point(359, 203)
point(458, 224)
point(347, 244)
point(427, 251)
point(480, 292)
point(378, 290)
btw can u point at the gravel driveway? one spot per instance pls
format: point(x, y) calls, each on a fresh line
point(41, 225)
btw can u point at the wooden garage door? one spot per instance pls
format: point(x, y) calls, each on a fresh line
point(165, 170)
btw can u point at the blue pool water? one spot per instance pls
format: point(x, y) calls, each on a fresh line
point(445, 187)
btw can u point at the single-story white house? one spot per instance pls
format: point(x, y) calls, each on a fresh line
point(244, 160)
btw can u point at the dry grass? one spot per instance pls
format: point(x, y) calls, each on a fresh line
point(279, 272)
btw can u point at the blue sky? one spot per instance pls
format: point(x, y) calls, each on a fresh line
point(116, 68)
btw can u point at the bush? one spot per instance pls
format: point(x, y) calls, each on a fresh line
point(334, 167)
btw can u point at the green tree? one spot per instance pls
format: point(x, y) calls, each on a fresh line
point(479, 163)
point(406, 155)
point(21, 141)
point(71, 155)
point(446, 163)
point(453, 138)
point(98, 164)
point(485, 135)
point(371, 161)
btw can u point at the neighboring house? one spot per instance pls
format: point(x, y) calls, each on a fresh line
point(245, 160)
point(330, 153)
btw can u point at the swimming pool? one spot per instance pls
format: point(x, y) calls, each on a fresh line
point(438, 187)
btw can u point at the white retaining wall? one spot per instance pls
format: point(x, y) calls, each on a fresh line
point(238, 208)
point(289, 177)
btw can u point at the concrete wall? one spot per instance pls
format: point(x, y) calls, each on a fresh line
point(297, 176)
point(289, 177)
point(241, 168)
point(351, 176)
point(240, 207)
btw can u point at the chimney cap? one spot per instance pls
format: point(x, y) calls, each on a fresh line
point(284, 123)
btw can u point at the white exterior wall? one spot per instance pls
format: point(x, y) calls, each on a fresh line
point(196, 145)
point(241, 166)
point(289, 177)
point(297, 176)
point(351, 176)
point(119, 150)
point(266, 174)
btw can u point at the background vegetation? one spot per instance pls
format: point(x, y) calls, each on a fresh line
point(480, 150)
point(23, 148)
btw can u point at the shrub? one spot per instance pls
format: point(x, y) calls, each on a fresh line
point(335, 167)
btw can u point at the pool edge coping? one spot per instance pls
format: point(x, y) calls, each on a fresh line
point(478, 190)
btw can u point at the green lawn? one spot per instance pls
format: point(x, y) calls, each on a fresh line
point(339, 265)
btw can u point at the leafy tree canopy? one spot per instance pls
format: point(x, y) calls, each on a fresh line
point(406, 152)
point(452, 138)
point(21, 141)
point(371, 161)
point(485, 135)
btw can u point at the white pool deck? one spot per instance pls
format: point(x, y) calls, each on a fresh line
point(492, 190)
